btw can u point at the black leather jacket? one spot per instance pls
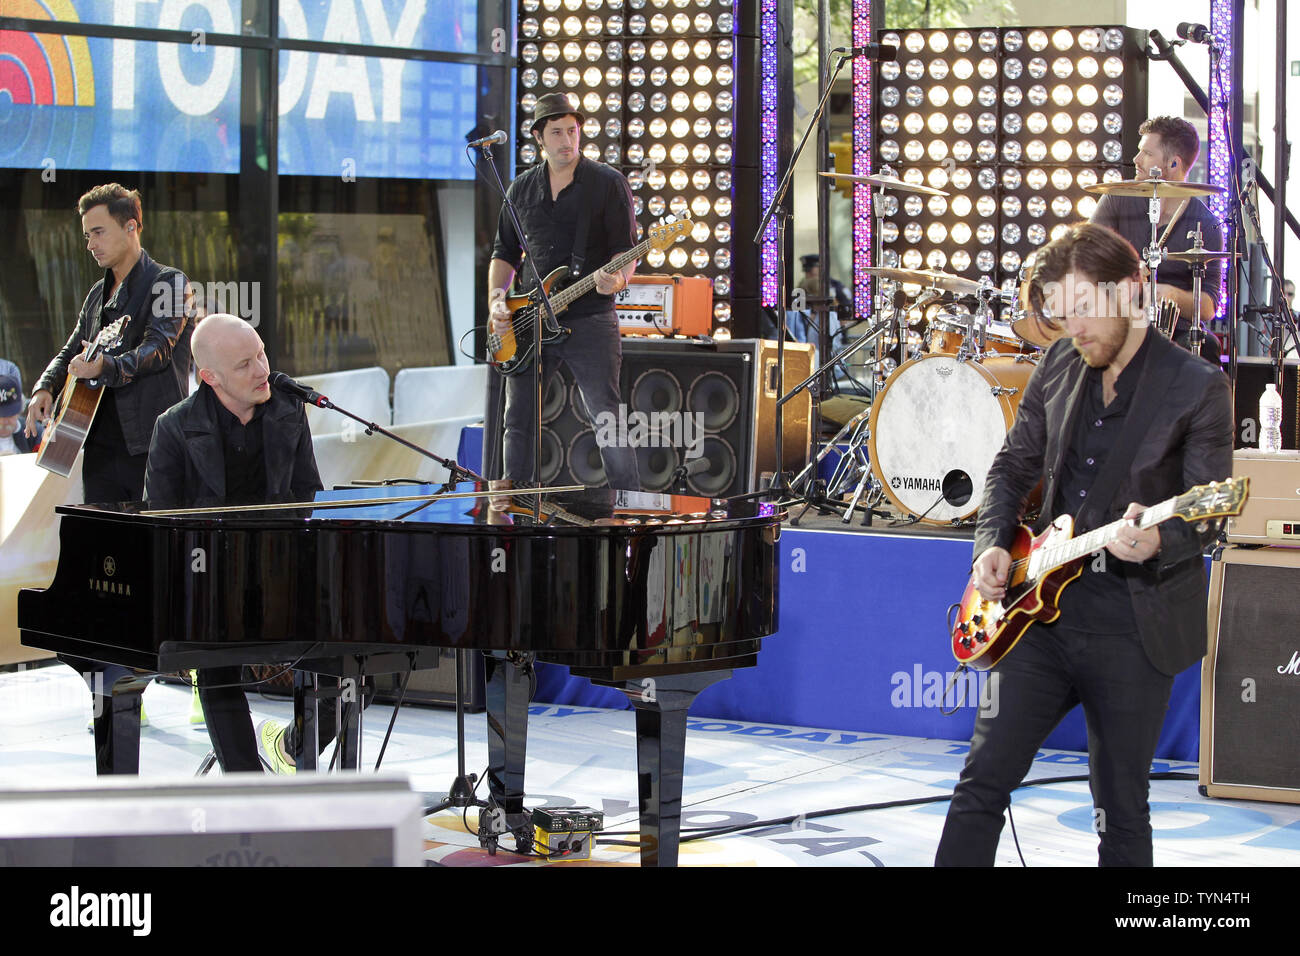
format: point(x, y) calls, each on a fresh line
point(149, 372)
point(1188, 442)
point(187, 461)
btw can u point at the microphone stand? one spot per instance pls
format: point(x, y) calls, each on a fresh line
point(780, 485)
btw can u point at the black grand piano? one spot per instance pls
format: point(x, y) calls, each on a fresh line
point(657, 595)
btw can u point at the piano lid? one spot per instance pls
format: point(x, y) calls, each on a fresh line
point(466, 505)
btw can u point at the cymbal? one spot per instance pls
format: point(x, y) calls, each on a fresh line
point(887, 182)
point(1196, 256)
point(938, 280)
point(1146, 188)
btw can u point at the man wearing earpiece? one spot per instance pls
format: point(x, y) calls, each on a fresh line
point(1168, 149)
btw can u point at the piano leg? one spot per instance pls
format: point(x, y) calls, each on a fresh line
point(306, 714)
point(661, 705)
point(116, 694)
point(507, 701)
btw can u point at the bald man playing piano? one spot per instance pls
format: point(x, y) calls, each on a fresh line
point(234, 441)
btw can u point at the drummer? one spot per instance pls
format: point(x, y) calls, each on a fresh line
point(1170, 145)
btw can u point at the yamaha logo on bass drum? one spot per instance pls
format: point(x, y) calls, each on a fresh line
point(909, 483)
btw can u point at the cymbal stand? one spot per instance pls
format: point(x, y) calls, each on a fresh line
point(1153, 254)
point(1195, 335)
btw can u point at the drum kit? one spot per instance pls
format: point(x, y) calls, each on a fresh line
point(941, 411)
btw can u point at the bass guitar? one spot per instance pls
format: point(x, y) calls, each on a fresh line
point(512, 350)
point(1042, 566)
point(76, 408)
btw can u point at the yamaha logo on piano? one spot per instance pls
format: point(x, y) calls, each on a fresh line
point(105, 586)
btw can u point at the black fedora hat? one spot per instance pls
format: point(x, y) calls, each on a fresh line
point(552, 105)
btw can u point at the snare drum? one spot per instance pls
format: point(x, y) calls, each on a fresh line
point(1001, 338)
point(936, 427)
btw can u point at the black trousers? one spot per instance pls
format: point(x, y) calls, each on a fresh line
point(593, 353)
point(1052, 669)
point(109, 474)
point(230, 724)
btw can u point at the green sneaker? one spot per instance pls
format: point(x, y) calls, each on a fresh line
point(270, 743)
point(196, 705)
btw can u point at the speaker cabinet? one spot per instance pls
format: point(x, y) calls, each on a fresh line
point(685, 399)
point(1250, 682)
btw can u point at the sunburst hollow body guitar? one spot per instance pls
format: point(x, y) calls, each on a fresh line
point(76, 408)
point(1042, 566)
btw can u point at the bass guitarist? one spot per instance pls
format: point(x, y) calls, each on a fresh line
point(1115, 414)
point(144, 376)
point(576, 213)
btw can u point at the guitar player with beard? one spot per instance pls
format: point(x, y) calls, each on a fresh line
point(143, 377)
point(1115, 418)
point(575, 213)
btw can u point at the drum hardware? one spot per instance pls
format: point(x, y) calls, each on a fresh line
point(886, 182)
point(1167, 317)
point(997, 390)
point(1154, 187)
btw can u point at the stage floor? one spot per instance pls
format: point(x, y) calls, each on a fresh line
point(736, 773)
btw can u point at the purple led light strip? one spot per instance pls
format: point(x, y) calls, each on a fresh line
point(863, 250)
point(1220, 174)
point(768, 138)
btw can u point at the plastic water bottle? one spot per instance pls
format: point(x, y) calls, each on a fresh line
point(1270, 419)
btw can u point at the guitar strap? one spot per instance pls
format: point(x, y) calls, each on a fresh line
point(1148, 396)
point(579, 254)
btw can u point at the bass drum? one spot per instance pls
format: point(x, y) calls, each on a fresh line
point(936, 426)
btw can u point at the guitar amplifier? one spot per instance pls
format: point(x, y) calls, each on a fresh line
point(665, 305)
point(1250, 679)
point(1272, 512)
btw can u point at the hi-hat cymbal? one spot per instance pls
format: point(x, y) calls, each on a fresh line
point(937, 280)
point(1146, 188)
point(1197, 256)
point(887, 182)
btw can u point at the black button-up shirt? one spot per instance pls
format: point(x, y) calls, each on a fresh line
point(598, 192)
point(1099, 599)
point(245, 464)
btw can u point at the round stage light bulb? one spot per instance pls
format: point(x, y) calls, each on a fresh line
point(912, 259)
point(1036, 178)
point(961, 233)
point(703, 101)
point(527, 104)
point(938, 96)
point(938, 42)
point(612, 151)
point(1036, 40)
point(658, 127)
point(1062, 207)
point(913, 123)
point(655, 258)
point(529, 27)
point(593, 52)
point(960, 260)
point(1012, 96)
point(915, 96)
point(938, 69)
point(984, 261)
point(935, 260)
point(1090, 40)
point(963, 69)
point(658, 23)
point(551, 52)
point(723, 153)
point(913, 151)
point(1061, 123)
point(988, 96)
point(985, 233)
point(678, 206)
point(635, 126)
point(681, 23)
point(913, 176)
point(937, 124)
point(1011, 178)
point(1086, 94)
point(1087, 122)
point(722, 232)
point(725, 49)
point(528, 78)
point(572, 78)
point(703, 23)
point(592, 152)
point(1012, 41)
point(1011, 261)
point(1113, 94)
point(572, 51)
point(914, 43)
point(987, 179)
point(986, 206)
point(614, 25)
point(1113, 123)
point(636, 76)
point(912, 232)
point(1036, 151)
point(722, 312)
point(1086, 207)
point(1113, 67)
point(656, 179)
point(1036, 234)
point(722, 286)
point(659, 102)
point(636, 51)
point(988, 40)
point(1061, 178)
point(635, 178)
point(1113, 39)
point(1111, 151)
point(889, 232)
point(680, 127)
point(590, 127)
point(528, 153)
point(1037, 68)
point(528, 53)
point(591, 103)
point(962, 151)
point(889, 150)
point(699, 258)
point(658, 153)
point(725, 75)
point(961, 179)
point(700, 207)
point(656, 205)
point(913, 205)
point(702, 76)
point(988, 67)
point(890, 71)
point(962, 96)
point(1012, 67)
point(1036, 206)
point(679, 179)
point(722, 258)
point(1011, 233)
point(1011, 205)
point(681, 76)
point(679, 153)
point(1062, 67)
point(1086, 178)
point(1036, 95)
point(701, 128)
point(914, 69)
point(658, 50)
point(1012, 123)
point(1087, 67)
point(551, 26)
point(1012, 151)
point(1062, 95)
point(681, 50)
point(722, 206)
point(936, 206)
point(614, 103)
point(1036, 123)
point(936, 233)
point(700, 152)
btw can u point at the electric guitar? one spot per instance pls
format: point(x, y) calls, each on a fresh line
point(76, 408)
point(512, 350)
point(1042, 566)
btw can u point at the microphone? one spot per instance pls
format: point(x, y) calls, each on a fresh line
point(689, 468)
point(500, 136)
point(872, 51)
point(305, 392)
point(1195, 33)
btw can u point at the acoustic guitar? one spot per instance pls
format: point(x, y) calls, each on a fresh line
point(1042, 566)
point(76, 408)
point(512, 350)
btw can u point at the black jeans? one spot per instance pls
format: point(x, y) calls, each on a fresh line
point(593, 353)
point(230, 725)
point(109, 474)
point(1124, 701)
